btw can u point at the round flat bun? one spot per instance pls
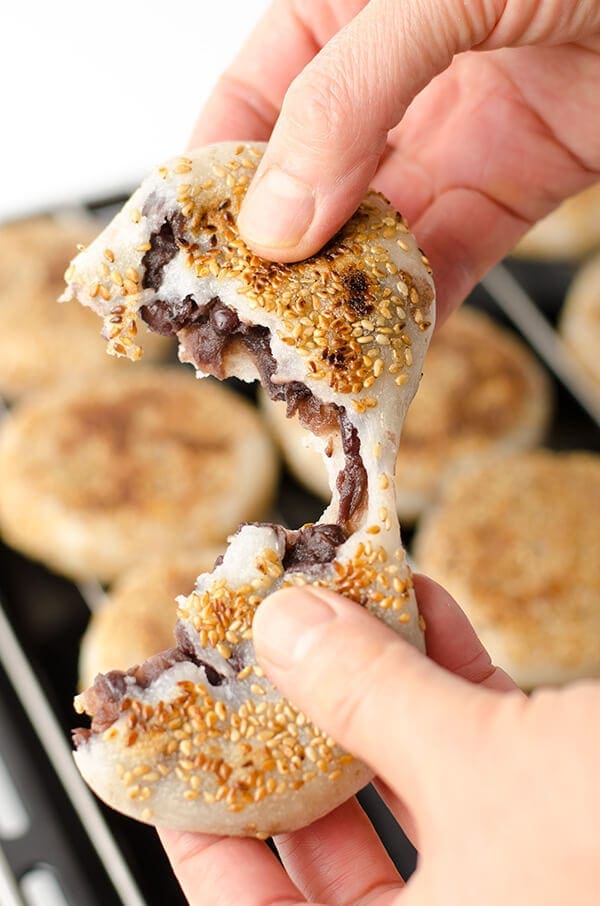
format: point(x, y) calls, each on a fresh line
point(580, 319)
point(570, 232)
point(41, 341)
point(482, 393)
point(139, 614)
point(96, 477)
point(197, 737)
point(517, 543)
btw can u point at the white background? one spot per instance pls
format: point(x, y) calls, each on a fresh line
point(94, 94)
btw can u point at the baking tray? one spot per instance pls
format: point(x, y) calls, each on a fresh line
point(58, 844)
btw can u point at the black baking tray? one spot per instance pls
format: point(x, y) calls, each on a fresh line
point(48, 616)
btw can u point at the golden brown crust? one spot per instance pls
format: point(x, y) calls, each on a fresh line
point(518, 543)
point(96, 477)
point(40, 340)
point(568, 233)
point(345, 308)
point(580, 319)
point(342, 337)
point(138, 617)
point(482, 392)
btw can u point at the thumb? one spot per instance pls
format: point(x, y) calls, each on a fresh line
point(389, 705)
point(334, 122)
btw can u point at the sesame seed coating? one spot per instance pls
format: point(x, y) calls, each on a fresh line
point(342, 337)
point(345, 309)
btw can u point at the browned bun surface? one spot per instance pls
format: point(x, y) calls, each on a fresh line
point(139, 614)
point(482, 393)
point(569, 233)
point(517, 543)
point(580, 318)
point(42, 341)
point(97, 476)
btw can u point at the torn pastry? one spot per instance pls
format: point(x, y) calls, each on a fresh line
point(197, 738)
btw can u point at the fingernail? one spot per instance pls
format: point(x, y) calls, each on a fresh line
point(284, 623)
point(277, 211)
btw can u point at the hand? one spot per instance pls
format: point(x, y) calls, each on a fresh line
point(491, 141)
point(498, 792)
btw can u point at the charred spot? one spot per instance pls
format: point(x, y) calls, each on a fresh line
point(357, 285)
point(336, 358)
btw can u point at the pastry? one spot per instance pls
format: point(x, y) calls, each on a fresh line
point(517, 543)
point(482, 393)
point(580, 318)
point(97, 476)
point(197, 737)
point(40, 341)
point(568, 233)
point(138, 617)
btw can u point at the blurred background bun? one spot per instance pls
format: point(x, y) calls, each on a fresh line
point(138, 616)
point(517, 543)
point(570, 232)
point(42, 341)
point(96, 477)
point(580, 318)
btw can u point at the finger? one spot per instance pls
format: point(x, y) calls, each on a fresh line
point(246, 100)
point(453, 644)
point(463, 231)
point(361, 682)
point(335, 119)
point(399, 810)
point(451, 640)
point(338, 859)
point(230, 871)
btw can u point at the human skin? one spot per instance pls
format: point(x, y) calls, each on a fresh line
point(498, 791)
point(502, 124)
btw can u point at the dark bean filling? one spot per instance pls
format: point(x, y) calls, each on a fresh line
point(167, 319)
point(207, 337)
point(313, 544)
point(103, 698)
point(351, 482)
point(164, 245)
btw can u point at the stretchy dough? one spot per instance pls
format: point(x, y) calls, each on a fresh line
point(198, 738)
point(482, 394)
